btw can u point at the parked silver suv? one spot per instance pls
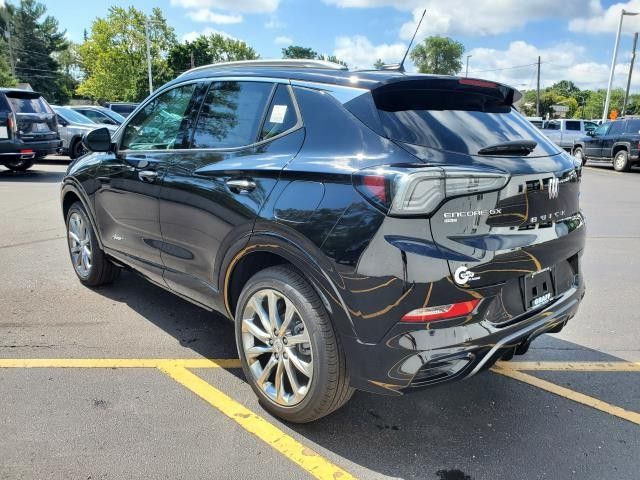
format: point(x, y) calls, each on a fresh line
point(72, 126)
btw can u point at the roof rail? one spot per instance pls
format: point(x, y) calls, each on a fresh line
point(282, 63)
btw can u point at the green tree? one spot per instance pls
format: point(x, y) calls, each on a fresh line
point(206, 50)
point(331, 58)
point(295, 51)
point(378, 64)
point(36, 39)
point(6, 78)
point(438, 55)
point(114, 55)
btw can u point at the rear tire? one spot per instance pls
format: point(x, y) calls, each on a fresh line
point(77, 149)
point(19, 165)
point(579, 154)
point(91, 265)
point(621, 161)
point(263, 347)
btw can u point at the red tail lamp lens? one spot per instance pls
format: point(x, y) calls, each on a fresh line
point(441, 312)
point(28, 150)
point(477, 83)
point(376, 186)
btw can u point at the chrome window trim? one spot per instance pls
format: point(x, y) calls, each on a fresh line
point(299, 122)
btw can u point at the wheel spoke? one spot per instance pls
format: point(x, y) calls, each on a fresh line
point(293, 380)
point(279, 385)
point(258, 350)
point(249, 326)
point(74, 237)
point(288, 315)
point(266, 372)
point(302, 337)
point(272, 300)
point(305, 367)
point(262, 315)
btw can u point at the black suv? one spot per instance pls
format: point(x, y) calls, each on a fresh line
point(370, 230)
point(28, 128)
point(616, 142)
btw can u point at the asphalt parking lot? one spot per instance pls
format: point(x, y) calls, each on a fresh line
point(129, 381)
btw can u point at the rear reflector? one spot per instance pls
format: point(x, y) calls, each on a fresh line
point(441, 312)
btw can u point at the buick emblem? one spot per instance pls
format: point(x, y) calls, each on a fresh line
point(553, 187)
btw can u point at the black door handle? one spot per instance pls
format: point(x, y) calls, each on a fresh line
point(148, 176)
point(241, 185)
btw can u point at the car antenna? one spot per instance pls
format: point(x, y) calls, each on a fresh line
point(400, 66)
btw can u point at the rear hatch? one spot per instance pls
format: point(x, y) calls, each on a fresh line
point(35, 119)
point(521, 240)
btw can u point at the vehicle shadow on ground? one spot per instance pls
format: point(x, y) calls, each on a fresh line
point(487, 427)
point(33, 175)
point(605, 166)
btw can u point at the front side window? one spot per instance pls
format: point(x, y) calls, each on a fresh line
point(231, 114)
point(602, 129)
point(161, 124)
point(590, 126)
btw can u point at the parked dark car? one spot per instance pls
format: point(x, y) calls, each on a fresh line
point(364, 230)
point(122, 108)
point(28, 128)
point(99, 114)
point(616, 143)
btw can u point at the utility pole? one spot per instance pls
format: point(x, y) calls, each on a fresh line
point(12, 62)
point(193, 63)
point(466, 72)
point(633, 59)
point(538, 91)
point(146, 36)
point(605, 111)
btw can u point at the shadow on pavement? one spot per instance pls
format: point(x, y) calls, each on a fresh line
point(487, 427)
point(33, 175)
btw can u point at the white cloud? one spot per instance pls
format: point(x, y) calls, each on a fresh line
point(359, 52)
point(604, 21)
point(274, 23)
point(241, 6)
point(563, 61)
point(283, 40)
point(207, 16)
point(191, 36)
point(478, 17)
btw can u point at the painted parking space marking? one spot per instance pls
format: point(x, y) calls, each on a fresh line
point(518, 374)
point(572, 366)
point(177, 369)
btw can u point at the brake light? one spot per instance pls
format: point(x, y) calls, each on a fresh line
point(420, 191)
point(26, 150)
point(477, 83)
point(441, 312)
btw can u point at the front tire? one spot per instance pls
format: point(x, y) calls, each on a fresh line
point(19, 165)
point(621, 161)
point(77, 149)
point(91, 265)
point(290, 354)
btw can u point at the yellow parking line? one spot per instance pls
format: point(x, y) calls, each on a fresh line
point(309, 460)
point(567, 393)
point(117, 362)
point(573, 366)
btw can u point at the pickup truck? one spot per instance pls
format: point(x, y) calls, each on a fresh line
point(563, 132)
point(614, 143)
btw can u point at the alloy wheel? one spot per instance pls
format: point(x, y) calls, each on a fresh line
point(619, 161)
point(80, 244)
point(277, 347)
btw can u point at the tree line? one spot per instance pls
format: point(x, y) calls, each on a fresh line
point(110, 64)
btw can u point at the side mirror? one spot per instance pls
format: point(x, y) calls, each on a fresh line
point(98, 140)
point(591, 133)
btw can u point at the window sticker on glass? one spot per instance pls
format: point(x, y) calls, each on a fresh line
point(278, 113)
point(3, 132)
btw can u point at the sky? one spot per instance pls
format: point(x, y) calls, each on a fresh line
point(504, 38)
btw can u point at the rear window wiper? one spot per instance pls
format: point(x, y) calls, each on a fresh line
point(523, 147)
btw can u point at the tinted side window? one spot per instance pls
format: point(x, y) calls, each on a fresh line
point(93, 115)
point(281, 115)
point(231, 114)
point(161, 124)
point(573, 125)
point(633, 126)
point(616, 128)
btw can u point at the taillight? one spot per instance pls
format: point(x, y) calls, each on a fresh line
point(441, 312)
point(420, 191)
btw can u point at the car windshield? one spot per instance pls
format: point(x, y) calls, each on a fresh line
point(72, 116)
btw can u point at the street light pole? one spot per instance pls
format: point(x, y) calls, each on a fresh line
point(146, 36)
point(633, 59)
point(605, 112)
point(466, 72)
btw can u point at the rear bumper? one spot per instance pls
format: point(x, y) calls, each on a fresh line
point(411, 357)
point(13, 149)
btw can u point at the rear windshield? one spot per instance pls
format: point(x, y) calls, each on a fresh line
point(25, 103)
point(453, 121)
point(123, 108)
